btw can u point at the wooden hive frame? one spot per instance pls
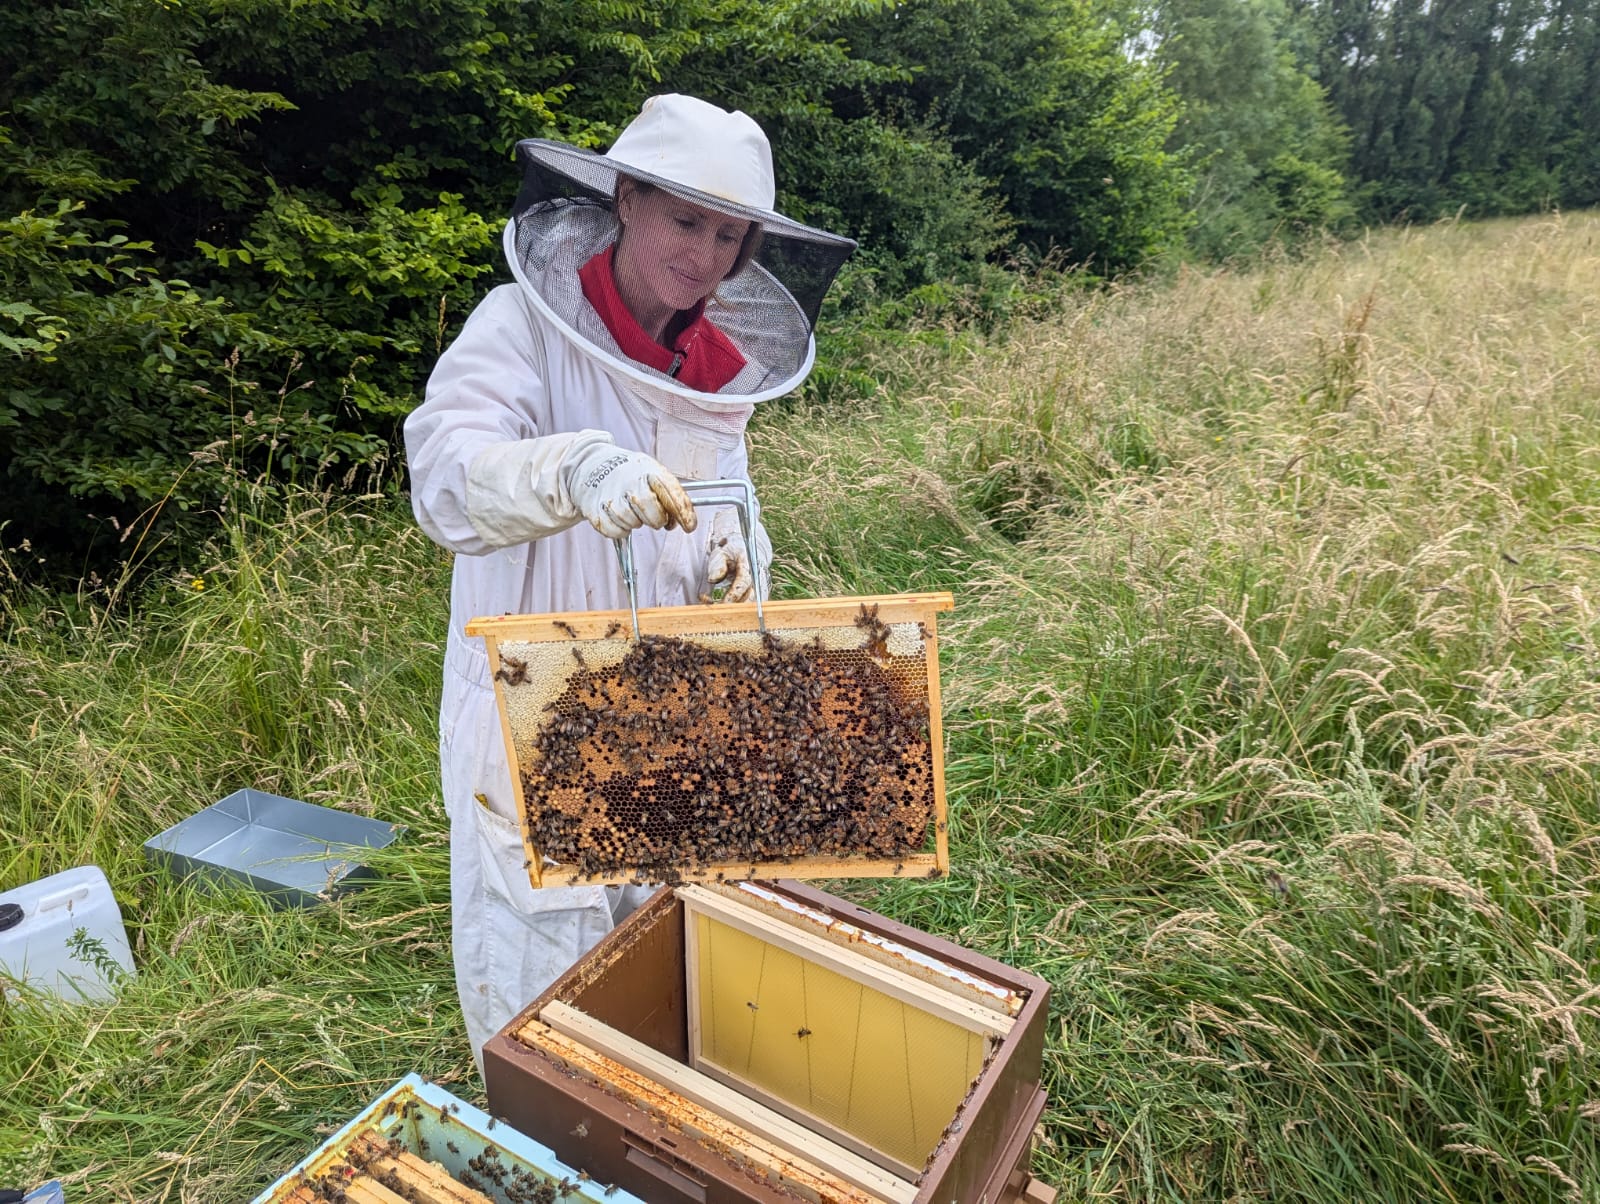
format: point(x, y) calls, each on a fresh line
point(418, 1144)
point(578, 627)
point(380, 1172)
point(961, 1024)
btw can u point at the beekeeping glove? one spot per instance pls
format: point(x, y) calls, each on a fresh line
point(728, 558)
point(620, 490)
point(531, 488)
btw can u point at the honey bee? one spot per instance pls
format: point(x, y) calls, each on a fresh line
point(512, 671)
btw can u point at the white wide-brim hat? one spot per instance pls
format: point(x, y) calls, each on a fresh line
point(693, 149)
point(564, 215)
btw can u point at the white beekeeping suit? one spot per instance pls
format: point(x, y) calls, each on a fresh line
point(536, 419)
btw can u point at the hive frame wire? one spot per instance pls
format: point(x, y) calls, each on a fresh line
point(725, 491)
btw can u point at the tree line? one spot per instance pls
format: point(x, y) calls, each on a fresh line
point(1306, 114)
point(235, 233)
point(1486, 105)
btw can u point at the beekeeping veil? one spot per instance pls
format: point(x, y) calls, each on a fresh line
point(713, 158)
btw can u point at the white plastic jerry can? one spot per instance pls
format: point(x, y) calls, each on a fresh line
point(63, 935)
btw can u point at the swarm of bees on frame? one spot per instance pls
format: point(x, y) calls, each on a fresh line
point(365, 1162)
point(518, 1186)
point(683, 755)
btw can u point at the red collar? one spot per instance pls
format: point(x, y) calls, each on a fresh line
point(701, 357)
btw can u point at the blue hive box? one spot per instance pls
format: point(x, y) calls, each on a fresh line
point(418, 1138)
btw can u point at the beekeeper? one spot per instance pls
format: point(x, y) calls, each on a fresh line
point(658, 298)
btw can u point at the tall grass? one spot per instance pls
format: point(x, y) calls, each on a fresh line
point(303, 658)
point(1272, 699)
point(1271, 695)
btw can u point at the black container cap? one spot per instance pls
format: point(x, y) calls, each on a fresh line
point(10, 915)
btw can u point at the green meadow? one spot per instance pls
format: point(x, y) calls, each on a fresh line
point(1272, 701)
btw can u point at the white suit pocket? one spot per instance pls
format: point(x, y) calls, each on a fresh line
point(505, 871)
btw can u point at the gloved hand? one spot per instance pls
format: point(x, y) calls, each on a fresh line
point(728, 559)
point(619, 490)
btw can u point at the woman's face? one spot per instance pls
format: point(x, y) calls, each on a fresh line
point(673, 253)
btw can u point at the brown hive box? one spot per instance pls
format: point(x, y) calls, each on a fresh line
point(771, 1042)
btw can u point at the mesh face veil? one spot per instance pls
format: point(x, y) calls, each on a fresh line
point(676, 246)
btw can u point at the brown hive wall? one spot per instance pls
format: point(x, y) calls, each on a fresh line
point(590, 1127)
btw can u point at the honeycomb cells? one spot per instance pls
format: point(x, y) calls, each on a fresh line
point(700, 751)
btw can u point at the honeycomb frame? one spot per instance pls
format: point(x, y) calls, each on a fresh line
point(709, 751)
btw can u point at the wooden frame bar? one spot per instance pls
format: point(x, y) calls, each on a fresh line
point(704, 1105)
point(970, 1015)
point(426, 1182)
point(700, 620)
point(943, 975)
point(920, 865)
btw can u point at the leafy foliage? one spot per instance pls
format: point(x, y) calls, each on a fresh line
point(110, 373)
point(203, 197)
point(1042, 99)
point(1267, 148)
point(1487, 104)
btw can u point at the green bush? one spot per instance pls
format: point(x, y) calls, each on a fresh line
point(1268, 151)
point(1043, 99)
point(110, 382)
point(235, 212)
point(921, 213)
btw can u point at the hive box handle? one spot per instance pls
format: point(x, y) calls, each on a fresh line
point(664, 1165)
